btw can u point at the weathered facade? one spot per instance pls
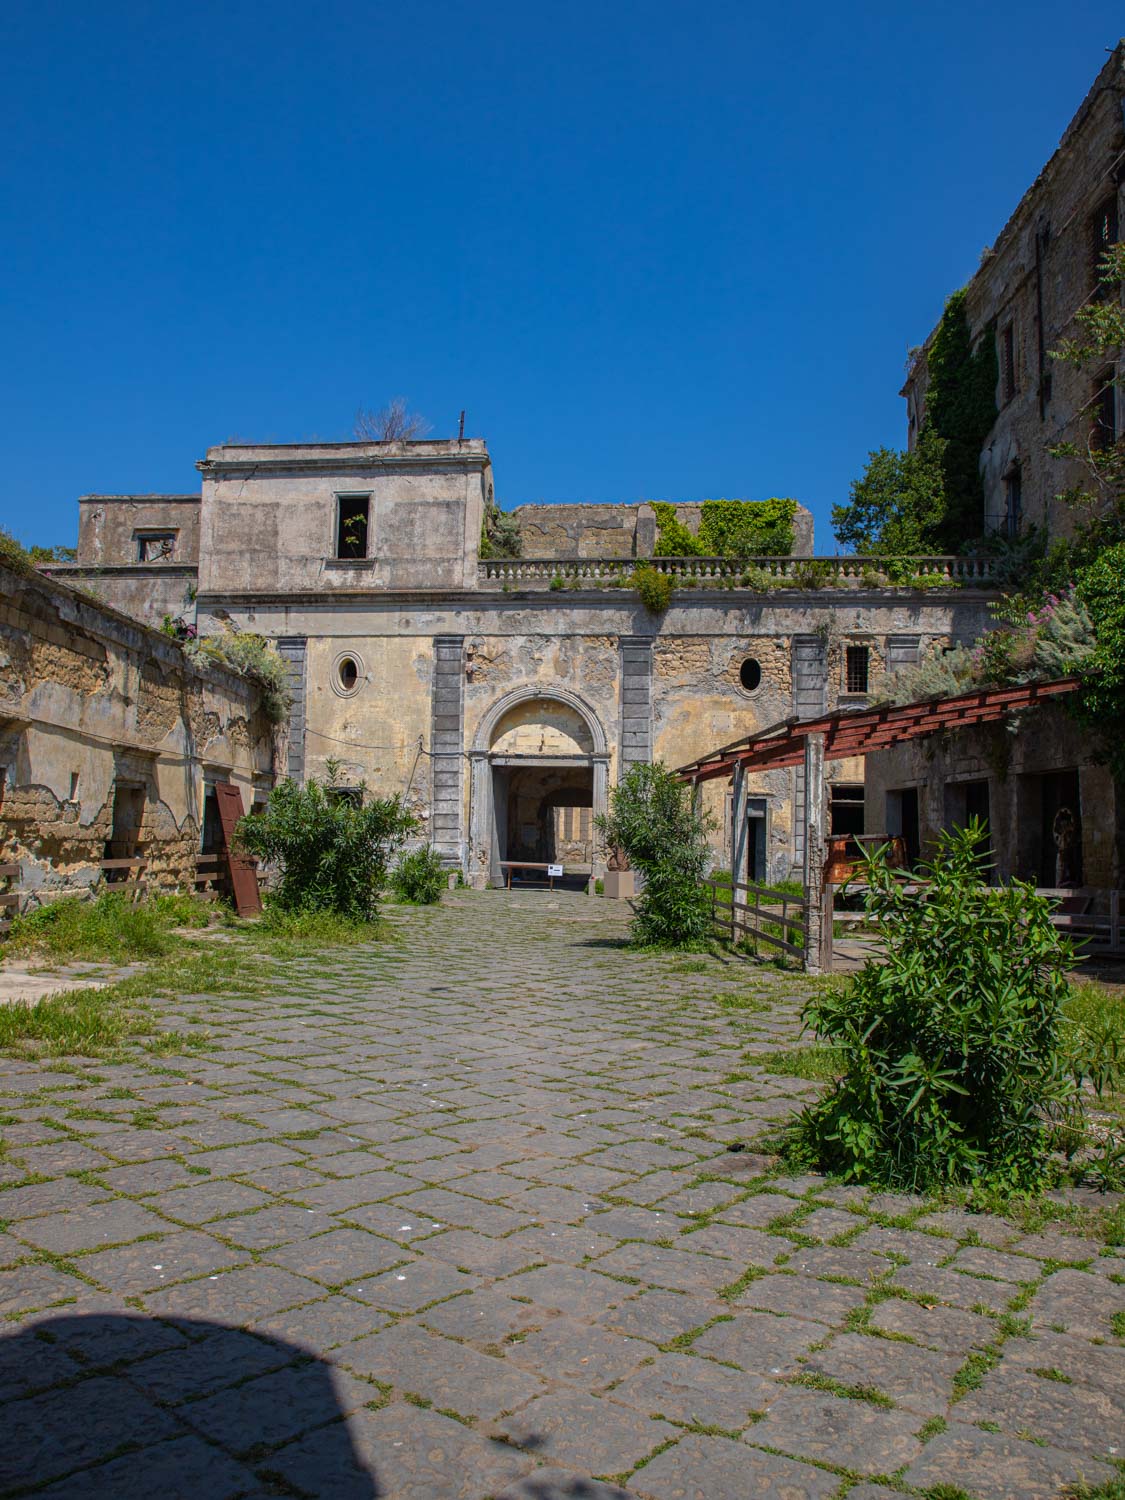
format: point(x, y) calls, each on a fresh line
point(1040, 271)
point(109, 739)
point(1038, 780)
point(1053, 813)
point(504, 698)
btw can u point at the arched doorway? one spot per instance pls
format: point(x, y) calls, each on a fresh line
point(539, 776)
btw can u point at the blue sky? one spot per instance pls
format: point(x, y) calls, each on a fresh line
point(656, 251)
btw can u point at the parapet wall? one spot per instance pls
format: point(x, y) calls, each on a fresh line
point(568, 532)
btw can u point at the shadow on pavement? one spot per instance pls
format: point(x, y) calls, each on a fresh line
point(113, 1407)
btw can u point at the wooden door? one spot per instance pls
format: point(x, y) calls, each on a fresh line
point(243, 871)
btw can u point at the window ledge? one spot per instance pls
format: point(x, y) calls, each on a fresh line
point(349, 562)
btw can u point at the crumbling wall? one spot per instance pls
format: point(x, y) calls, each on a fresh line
point(91, 703)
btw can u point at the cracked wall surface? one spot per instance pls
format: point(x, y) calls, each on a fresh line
point(91, 702)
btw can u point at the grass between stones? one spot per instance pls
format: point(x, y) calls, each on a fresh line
point(185, 946)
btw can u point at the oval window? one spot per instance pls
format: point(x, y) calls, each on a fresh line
point(349, 674)
point(750, 674)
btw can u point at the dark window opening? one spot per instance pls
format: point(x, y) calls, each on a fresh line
point(1008, 362)
point(153, 546)
point(1104, 431)
point(1013, 502)
point(845, 807)
point(351, 795)
point(351, 526)
point(857, 668)
point(349, 674)
point(1104, 233)
point(750, 674)
point(757, 858)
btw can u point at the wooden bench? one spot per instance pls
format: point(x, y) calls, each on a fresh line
point(510, 865)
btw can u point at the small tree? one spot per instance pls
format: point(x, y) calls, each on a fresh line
point(953, 1050)
point(393, 423)
point(652, 819)
point(332, 851)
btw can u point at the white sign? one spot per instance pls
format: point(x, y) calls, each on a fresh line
point(553, 870)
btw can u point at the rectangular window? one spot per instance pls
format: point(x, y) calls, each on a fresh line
point(351, 525)
point(1103, 234)
point(1008, 362)
point(155, 546)
point(1013, 502)
point(1104, 431)
point(856, 669)
point(845, 807)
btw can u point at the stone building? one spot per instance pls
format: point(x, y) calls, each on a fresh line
point(1041, 269)
point(503, 698)
point(110, 741)
point(1040, 773)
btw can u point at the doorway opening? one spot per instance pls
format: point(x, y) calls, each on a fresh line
point(125, 831)
point(545, 816)
point(1060, 830)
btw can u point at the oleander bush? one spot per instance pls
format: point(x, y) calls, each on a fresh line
point(419, 878)
point(957, 1062)
point(652, 819)
point(332, 852)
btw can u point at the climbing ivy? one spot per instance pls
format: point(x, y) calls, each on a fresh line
point(960, 409)
point(728, 528)
point(931, 498)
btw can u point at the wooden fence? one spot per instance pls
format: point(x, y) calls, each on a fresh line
point(758, 914)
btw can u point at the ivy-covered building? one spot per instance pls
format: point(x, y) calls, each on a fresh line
point(1005, 400)
point(503, 695)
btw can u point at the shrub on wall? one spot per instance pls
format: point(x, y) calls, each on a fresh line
point(728, 528)
point(332, 852)
point(654, 587)
point(254, 657)
point(651, 817)
point(953, 1049)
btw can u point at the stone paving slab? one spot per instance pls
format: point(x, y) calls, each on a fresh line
point(458, 1220)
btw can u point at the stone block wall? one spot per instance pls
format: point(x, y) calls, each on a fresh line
point(96, 709)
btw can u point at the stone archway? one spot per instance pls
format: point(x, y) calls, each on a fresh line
point(539, 761)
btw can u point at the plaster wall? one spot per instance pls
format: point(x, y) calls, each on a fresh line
point(90, 701)
point(1013, 762)
point(110, 527)
point(269, 516)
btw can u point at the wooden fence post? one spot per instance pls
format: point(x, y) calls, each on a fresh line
point(813, 872)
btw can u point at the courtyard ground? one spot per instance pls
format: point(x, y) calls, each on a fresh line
point(459, 1216)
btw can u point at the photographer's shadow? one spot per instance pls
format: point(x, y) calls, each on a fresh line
point(105, 1406)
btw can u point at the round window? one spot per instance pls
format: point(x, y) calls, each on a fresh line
point(750, 674)
point(348, 674)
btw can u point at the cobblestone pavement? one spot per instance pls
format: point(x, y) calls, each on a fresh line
point(458, 1217)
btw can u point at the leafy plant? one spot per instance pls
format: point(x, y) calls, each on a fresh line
point(252, 656)
point(332, 851)
point(930, 498)
point(110, 927)
point(420, 877)
point(954, 1050)
point(654, 587)
point(728, 528)
point(499, 532)
point(652, 819)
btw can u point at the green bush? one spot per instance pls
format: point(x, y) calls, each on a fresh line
point(420, 877)
point(654, 587)
point(252, 656)
point(728, 528)
point(332, 852)
point(652, 819)
point(953, 1050)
